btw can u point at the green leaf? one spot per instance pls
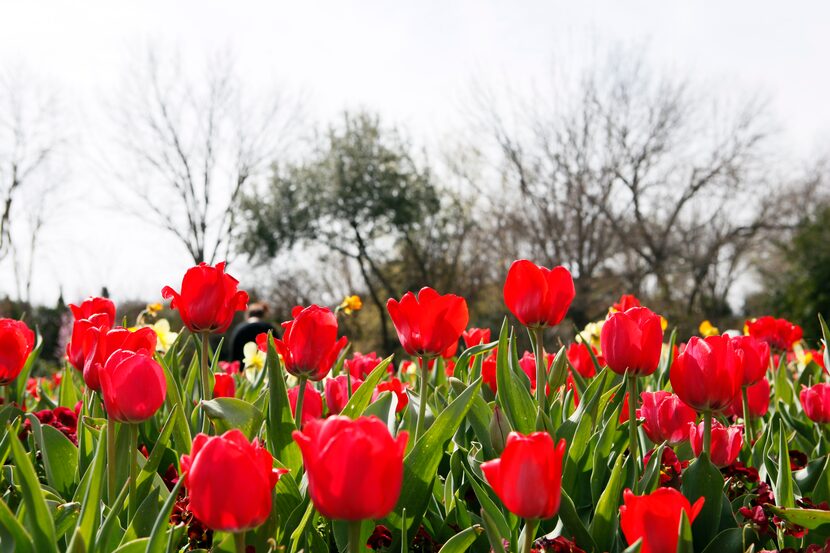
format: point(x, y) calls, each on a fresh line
point(703, 479)
point(68, 393)
point(105, 539)
point(384, 409)
point(634, 547)
point(280, 420)
point(604, 524)
point(158, 538)
point(731, 540)
point(513, 398)
point(134, 546)
point(60, 456)
point(684, 539)
point(499, 523)
point(808, 518)
point(574, 525)
point(228, 413)
point(784, 483)
point(181, 430)
point(421, 464)
point(91, 504)
point(13, 537)
point(783, 386)
point(41, 524)
point(23, 376)
point(496, 541)
point(363, 395)
point(462, 541)
point(142, 522)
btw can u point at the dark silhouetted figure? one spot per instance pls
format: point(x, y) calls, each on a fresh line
point(247, 331)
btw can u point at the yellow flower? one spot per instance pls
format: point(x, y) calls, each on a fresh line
point(153, 308)
point(165, 336)
point(591, 333)
point(707, 329)
point(351, 304)
point(663, 323)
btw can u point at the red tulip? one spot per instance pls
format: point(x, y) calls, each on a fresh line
point(625, 415)
point(208, 300)
point(580, 358)
point(754, 357)
point(133, 386)
point(16, 343)
point(360, 365)
point(667, 418)
point(100, 343)
point(337, 395)
point(475, 336)
point(726, 442)
point(312, 403)
point(223, 385)
point(229, 481)
point(450, 351)
point(80, 328)
point(449, 367)
point(537, 296)
point(656, 518)
point(396, 387)
point(632, 340)
point(528, 475)
point(780, 334)
point(94, 306)
point(309, 345)
point(230, 367)
point(430, 323)
point(758, 395)
point(626, 302)
point(528, 365)
point(354, 467)
point(707, 374)
point(815, 401)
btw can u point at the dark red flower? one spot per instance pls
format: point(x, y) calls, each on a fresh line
point(208, 300)
point(429, 323)
point(537, 296)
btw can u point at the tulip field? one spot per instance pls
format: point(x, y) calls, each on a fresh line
point(625, 437)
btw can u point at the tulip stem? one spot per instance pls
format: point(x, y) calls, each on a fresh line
point(633, 440)
point(131, 451)
point(354, 536)
point(748, 434)
point(420, 425)
point(541, 373)
point(529, 535)
point(112, 462)
point(205, 379)
point(298, 409)
point(707, 432)
point(239, 541)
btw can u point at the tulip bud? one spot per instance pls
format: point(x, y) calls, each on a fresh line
point(354, 467)
point(100, 343)
point(475, 336)
point(707, 375)
point(537, 296)
point(337, 395)
point(666, 417)
point(229, 480)
point(632, 341)
point(94, 306)
point(528, 475)
point(223, 385)
point(656, 518)
point(754, 358)
point(726, 442)
point(208, 300)
point(429, 323)
point(16, 344)
point(360, 365)
point(133, 386)
point(816, 402)
point(499, 430)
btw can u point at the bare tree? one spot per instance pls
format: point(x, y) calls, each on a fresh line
point(193, 145)
point(32, 138)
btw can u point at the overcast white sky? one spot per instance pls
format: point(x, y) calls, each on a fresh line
point(413, 62)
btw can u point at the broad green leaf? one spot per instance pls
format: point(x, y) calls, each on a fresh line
point(703, 479)
point(91, 503)
point(732, 540)
point(496, 541)
point(158, 536)
point(59, 455)
point(604, 524)
point(68, 393)
point(134, 546)
point(500, 526)
point(280, 420)
point(574, 525)
point(106, 539)
point(175, 401)
point(41, 523)
point(228, 413)
point(462, 541)
point(684, 539)
point(363, 395)
point(19, 384)
point(422, 462)
point(13, 536)
point(142, 522)
point(513, 398)
point(808, 518)
point(784, 483)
